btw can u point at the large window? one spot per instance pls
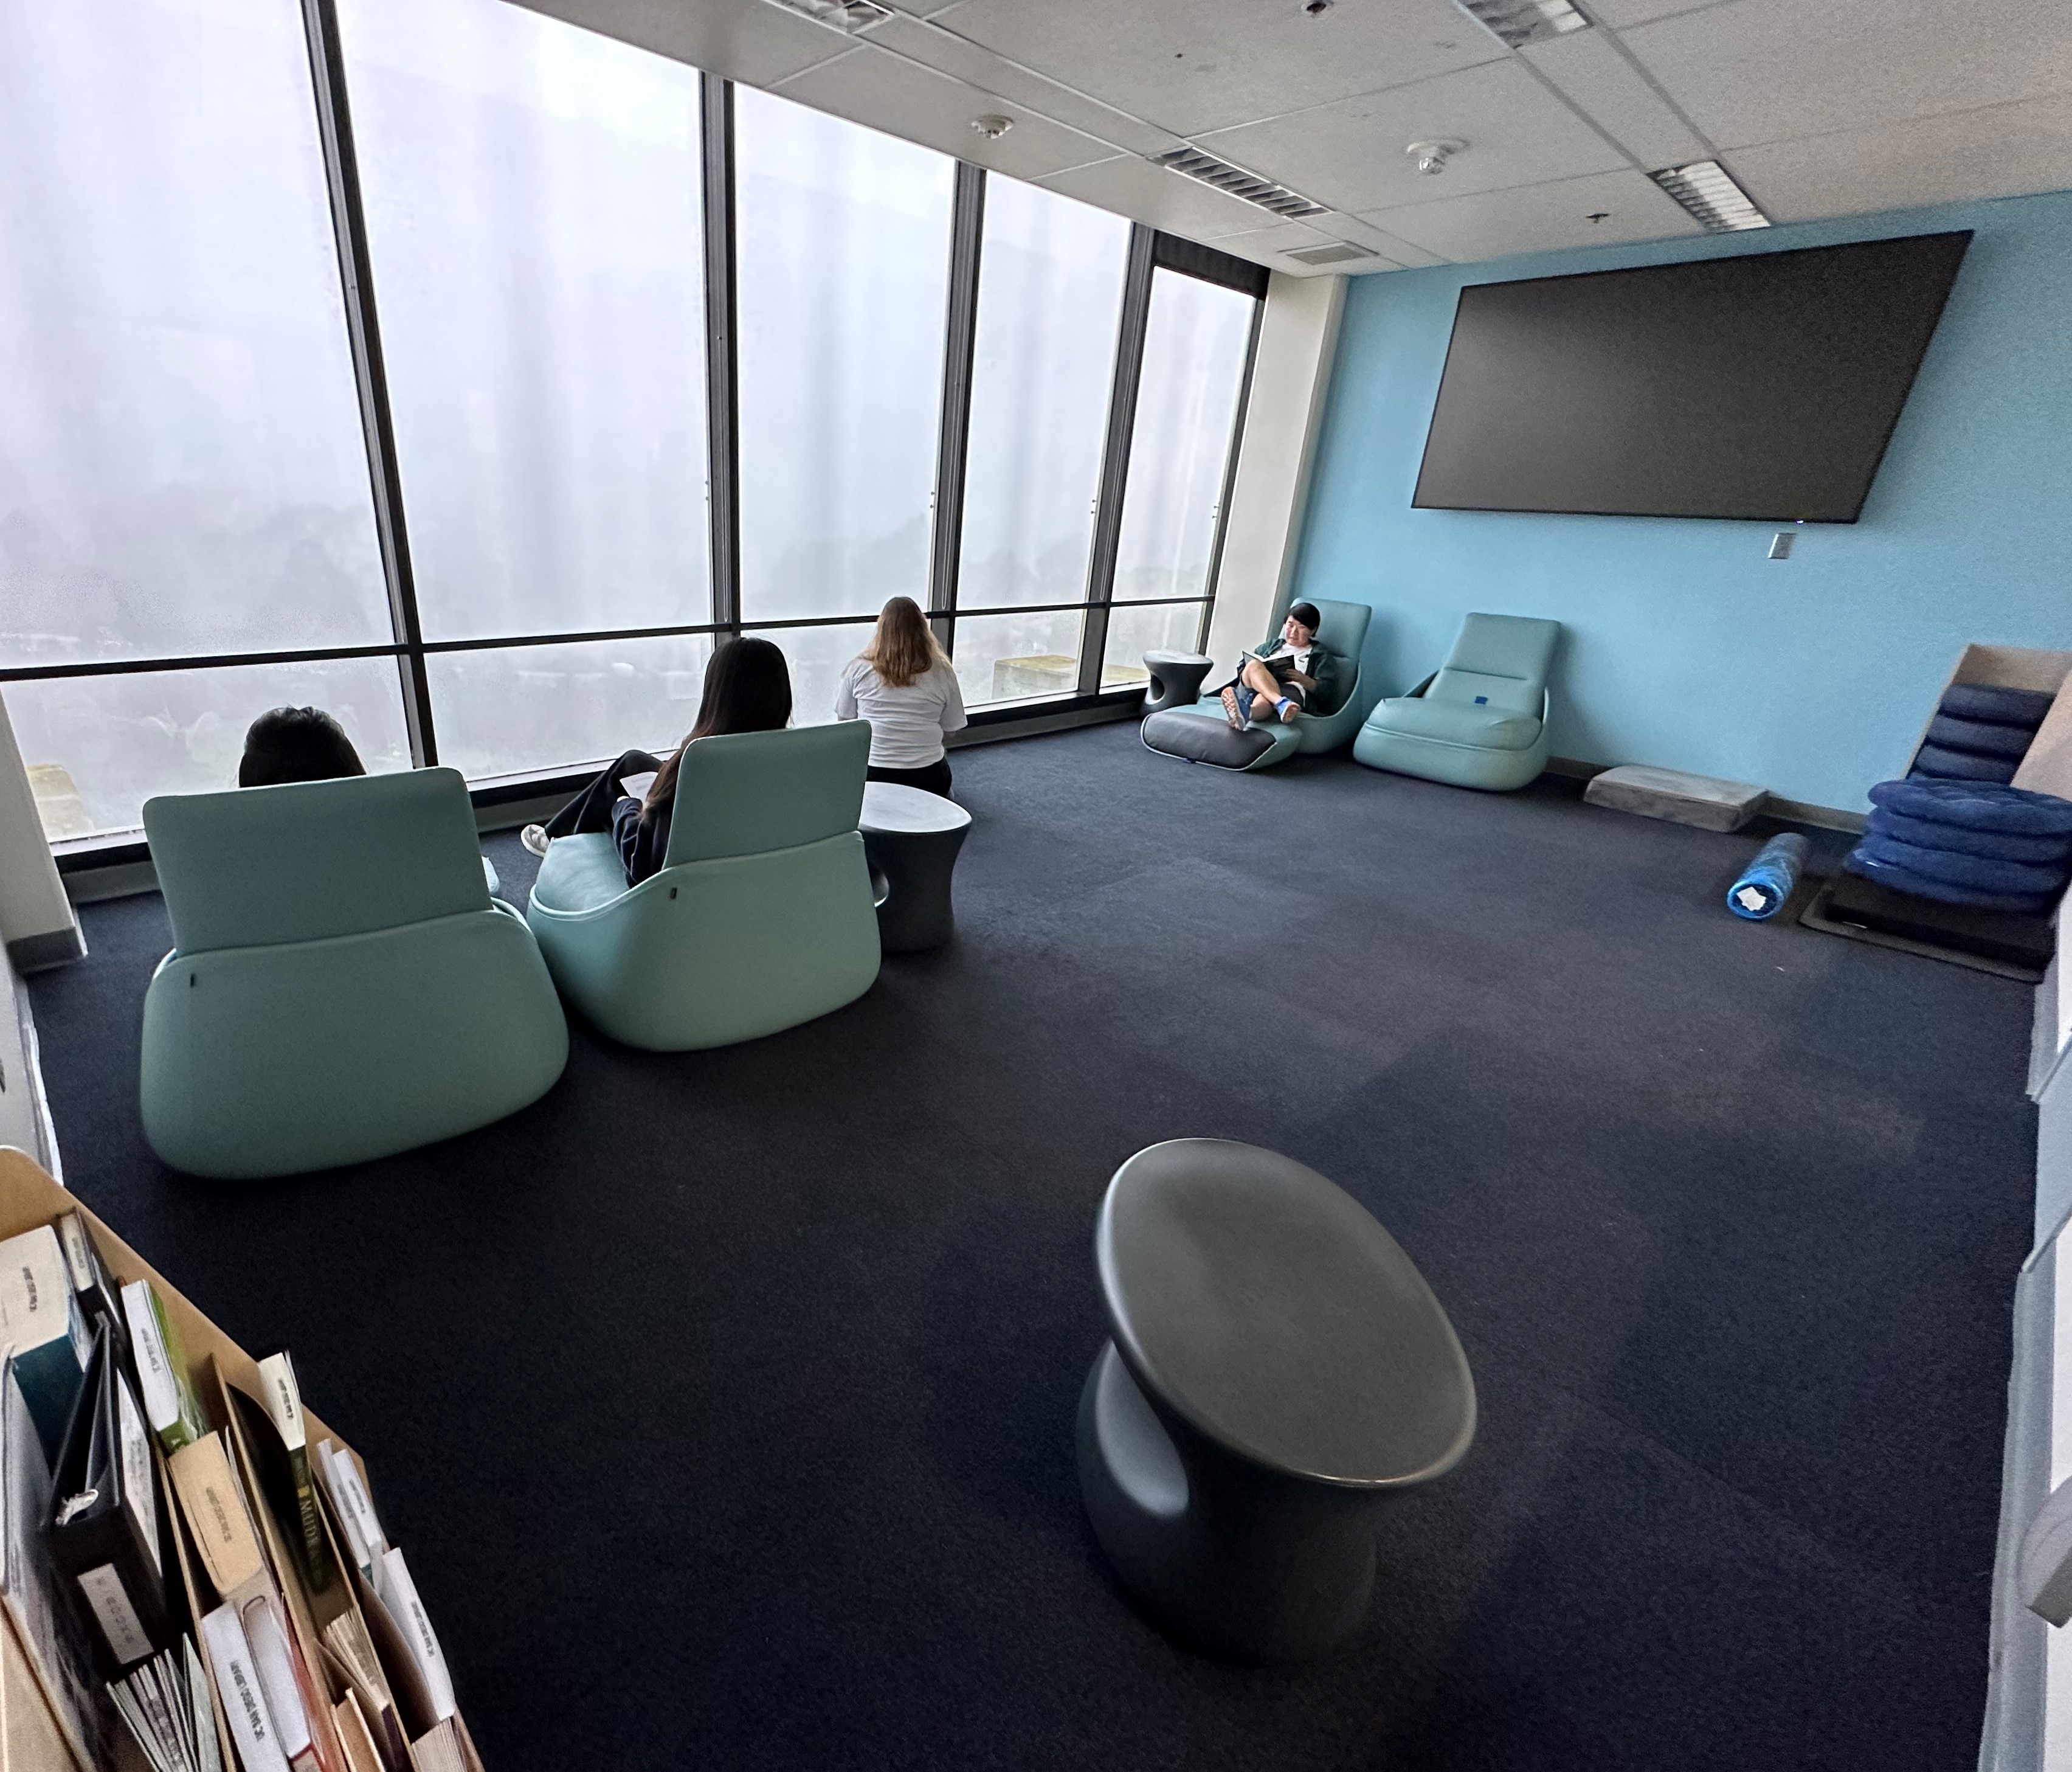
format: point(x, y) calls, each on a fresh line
point(843, 238)
point(472, 376)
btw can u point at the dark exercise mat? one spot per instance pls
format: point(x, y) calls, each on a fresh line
point(2012, 945)
point(1979, 737)
point(1977, 806)
point(1955, 766)
point(1974, 873)
point(1962, 839)
point(2005, 707)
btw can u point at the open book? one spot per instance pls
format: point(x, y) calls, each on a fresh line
point(638, 785)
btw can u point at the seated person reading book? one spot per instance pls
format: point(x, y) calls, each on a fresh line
point(748, 689)
point(1291, 676)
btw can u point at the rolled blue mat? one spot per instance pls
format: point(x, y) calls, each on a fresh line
point(1767, 881)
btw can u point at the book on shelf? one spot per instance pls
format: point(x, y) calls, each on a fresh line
point(288, 1635)
point(41, 1319)
point(103, 1526)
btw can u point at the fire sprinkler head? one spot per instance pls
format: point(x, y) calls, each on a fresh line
point(1432, 156)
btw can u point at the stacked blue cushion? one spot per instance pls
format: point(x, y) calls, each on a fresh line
point(1980, 732)
point(1980, 844)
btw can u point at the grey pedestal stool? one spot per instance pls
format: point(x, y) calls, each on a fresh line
point(1278, 1368)
point(1176, 680)
point(911, 839)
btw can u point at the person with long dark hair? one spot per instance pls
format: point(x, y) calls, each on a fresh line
point(902, 684)
point(748, 689)
point(296, 744)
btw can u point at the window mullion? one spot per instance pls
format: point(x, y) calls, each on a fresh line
point(1114, 458)
point(370, 374)
point(722, 399)
point(967, 226)
point(1230, 473)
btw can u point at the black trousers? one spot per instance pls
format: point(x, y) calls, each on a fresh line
point(933, 779)
point(591, 809)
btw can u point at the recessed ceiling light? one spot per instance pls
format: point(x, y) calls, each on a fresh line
point(842, 14)
point(1708, 192)
point(1238, 183)
point(1517, 22)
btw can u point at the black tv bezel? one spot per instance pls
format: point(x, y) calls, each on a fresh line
point(1884, 442)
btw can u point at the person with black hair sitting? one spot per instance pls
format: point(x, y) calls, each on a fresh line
point(296, 744)
point(747, 688)
point(1291, 676)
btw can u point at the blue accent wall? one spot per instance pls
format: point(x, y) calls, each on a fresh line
point(1685, 646)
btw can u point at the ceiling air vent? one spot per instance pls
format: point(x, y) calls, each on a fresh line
point(1708, 192)
point(1514, 23)
point(1339, 251)
point(1210, 170)
point(842, 14)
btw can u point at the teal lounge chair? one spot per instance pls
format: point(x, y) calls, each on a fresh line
point(341, 985)
point(1179, 733)
point(1480, 721)
point(761, 917)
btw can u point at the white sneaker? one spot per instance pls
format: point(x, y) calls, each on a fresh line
point(535, 838)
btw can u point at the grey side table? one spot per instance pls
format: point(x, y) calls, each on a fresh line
point(1176, 680)
point(1278, 1369)
point(912, 840)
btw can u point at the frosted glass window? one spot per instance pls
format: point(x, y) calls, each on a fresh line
point(814, 657)
point(1013, 658)
point(534, 234)
point(98, 747)
point(183, 467)
point(1162, 627)
point(1195, 343)
point(1050, 302)
point(843, 244)
point(507, 710)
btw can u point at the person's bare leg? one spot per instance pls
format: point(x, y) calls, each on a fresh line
point(1230, 706)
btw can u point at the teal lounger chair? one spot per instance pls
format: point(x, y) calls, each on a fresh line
point(1480, 721)
point(1343, 635)
point(761, 917)
point(341, 985)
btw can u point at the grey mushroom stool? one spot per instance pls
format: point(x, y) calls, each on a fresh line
point(1278, 1369)
point(1176, 680)
point(911, 839)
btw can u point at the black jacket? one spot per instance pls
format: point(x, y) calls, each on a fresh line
point(642, 842)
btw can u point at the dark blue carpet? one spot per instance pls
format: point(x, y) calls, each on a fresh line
point(724, 1401)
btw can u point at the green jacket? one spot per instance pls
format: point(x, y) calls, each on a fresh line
point(1323, 667)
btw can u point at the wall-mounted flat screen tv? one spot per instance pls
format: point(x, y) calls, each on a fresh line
point(1764, 385)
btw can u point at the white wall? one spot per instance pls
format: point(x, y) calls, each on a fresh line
point(36, 919)
point(1297, 338)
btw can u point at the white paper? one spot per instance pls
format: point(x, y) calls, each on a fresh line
point(399, 1594)
point(283, 1399)
point(140, 1494)
point(268, 1640)
point(355, 1506)
point(119, 1623)
point(638, 785)
point(154, 1371)
point(237, 1685)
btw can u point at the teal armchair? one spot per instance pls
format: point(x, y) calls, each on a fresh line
point(762, 916)
point(1342, 633)
point(1480, 721)
point(341, 986)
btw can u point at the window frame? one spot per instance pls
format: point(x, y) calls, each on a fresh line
point(1148, 249)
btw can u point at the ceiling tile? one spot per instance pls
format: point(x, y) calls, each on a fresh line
point(1363, 233)
point(1543, 217)
point(1621, 13)
point(1151, 195)
point(1268, 246)
point(871, 86)
point(1194, 65)
point(1351, 155)
point(747, 40)
point(1589, 71)
point(921, 9)
point(2004, 151)
point(1769, 70)
point(950, 54)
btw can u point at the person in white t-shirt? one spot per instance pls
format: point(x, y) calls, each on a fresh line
point(905, 686)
